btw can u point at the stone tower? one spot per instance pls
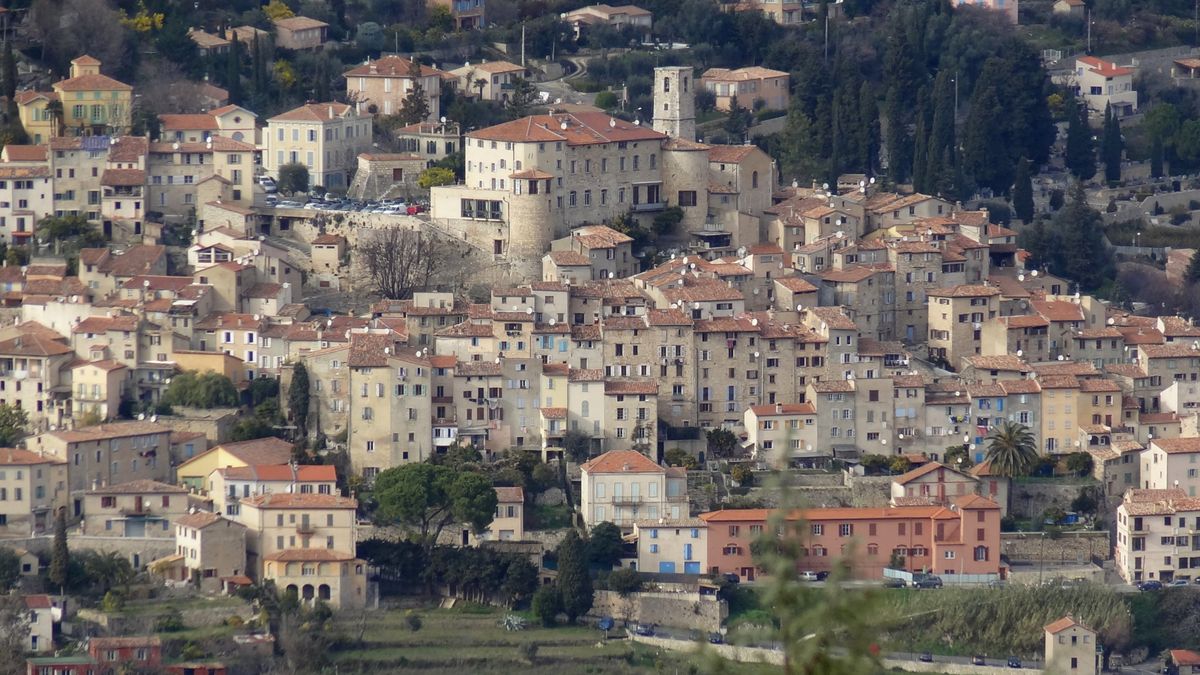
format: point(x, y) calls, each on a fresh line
point(675, 102)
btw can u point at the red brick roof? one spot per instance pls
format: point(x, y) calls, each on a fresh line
point(621, 461)
point(296, 500)
point(582, 128)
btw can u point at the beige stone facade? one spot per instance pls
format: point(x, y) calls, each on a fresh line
point(325, 137)
point(33, 487)
point(379, 87)
point(212, 548)
point(139, 508)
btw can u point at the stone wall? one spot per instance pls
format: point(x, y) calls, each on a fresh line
point(144, 621)
point(215, 423)
point(869, 490)
point(730, 652)
point(138, 550)
point(1032, 499)
point(675, 610)
point(952, 668)
point(1060, 548)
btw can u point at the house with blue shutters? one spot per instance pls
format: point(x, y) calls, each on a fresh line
point(672, 546)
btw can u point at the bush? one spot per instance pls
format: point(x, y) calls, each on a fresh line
point(413, 621)
point(625, 581)
point(606, 100)
point(172, 622)
point(547, 603)
point(742, 474)
point(679, 457)
point(235, 621)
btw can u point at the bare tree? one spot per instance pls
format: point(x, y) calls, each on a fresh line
point(67, 29)
point(14, 632)
point(396, 261)
point(165, 88)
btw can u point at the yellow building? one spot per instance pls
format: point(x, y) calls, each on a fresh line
point(98, 386)
point(32, 487)
point(92, 104)
point(194, 472)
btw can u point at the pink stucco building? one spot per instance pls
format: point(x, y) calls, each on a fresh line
point(961, 538)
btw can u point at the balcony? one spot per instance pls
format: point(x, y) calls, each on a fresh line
point(618, 500)
point(306, 529)
point(137, 511)
point(648, 207)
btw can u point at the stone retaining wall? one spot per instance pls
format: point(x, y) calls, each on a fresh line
point(1065, 547)
point(676, 610)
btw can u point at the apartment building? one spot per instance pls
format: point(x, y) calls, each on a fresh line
point(379, 87)
point(33, 487)
point(509, 522)
point(1071, 647)
point(98, 388)
point(108, 454)
point(300, 33)
point(25, 198)
point(139, 508)
point(228, 485)
point(92, 104)
point(933, 484)
point(956, 317)
point(489, 80)
point(1171, 463)
point(210, 549)
point(325, 137)
point(305, 544)
point(748, 86)
point(33, 373)
point(669, 546)
point(784, 433)
point(271, 451)
point(964, 540)
point(624, 486)
point(624, 17)
point(1157, 535)
point(389, 413)
point(175, 170)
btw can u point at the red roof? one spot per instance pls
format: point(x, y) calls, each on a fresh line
point(305, 473)
point(1102, 67)
point(622, 461)
point(581, 128)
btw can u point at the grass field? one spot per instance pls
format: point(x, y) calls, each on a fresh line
point(472, 640)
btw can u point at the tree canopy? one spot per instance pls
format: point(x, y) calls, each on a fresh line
point(201, 390)
point(427, 498)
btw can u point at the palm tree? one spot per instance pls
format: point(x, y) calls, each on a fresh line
point(1012, 450)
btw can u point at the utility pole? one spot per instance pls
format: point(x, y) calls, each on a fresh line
point(956, 94)
point(523, 45)
point(827, 34)
point(1089, 31)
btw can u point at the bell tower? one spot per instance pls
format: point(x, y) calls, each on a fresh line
point(675, 102)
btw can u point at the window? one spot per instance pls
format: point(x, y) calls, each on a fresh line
point(687, 197)
point(846, 530)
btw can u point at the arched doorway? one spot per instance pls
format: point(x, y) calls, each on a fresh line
point(323, 592)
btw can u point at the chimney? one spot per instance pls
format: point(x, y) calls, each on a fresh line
point(778, 408)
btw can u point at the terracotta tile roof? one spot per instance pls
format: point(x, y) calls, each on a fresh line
point(1009, 362)
point(741, 74)
point(24, 171)
point(1104, 68)
point(1181, 657)
point(556, 369)
point(128, 148)
point(105, 365)
point(370, 350)
point(1058, 310)
point(110, 431)
point(201, 520)
point(1058, 381)
point(833, 386)
point(1142, 336)
point(268, 450)
point(315, 112)
point(630, 387)
point(478, 369)
point(299, 500)
point(443, 361)
point(1060, 625)
point(585, 375)
point(554, 413)
point(299, 23)
point(739, 324)
point(1173, 446)
point(18, 457)
point(1158, 418)
point(33, 345)
point(329, 239)
point(1076, 368)
point(466, 329)
point(1023, 386)
point(731, 154)
point(25, 153)
point(1174, 350)
point(599, 236)
point(985, 390)
point(621, 461)
point(964, 291)
point(390, 66)
point(1098, 385)
point(583, 128)
point(198, 122)
point(40, 601)
point(833, 317)
point(1094, 333)
point(1175, 326)
point(91, 82)
point(309, 555)
point(510, 495)
point(139, 487)
point(778, 409)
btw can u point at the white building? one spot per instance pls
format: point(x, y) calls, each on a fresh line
point(1102, 83)
point(1158, 536)
point(625, 486)
point(325, 137)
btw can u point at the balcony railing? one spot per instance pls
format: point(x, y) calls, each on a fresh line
point(627, 499)
point(306, 528)
point(649, 206)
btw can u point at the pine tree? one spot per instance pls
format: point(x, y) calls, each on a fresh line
point(574, 580)
point(60, 556)
point(1111, 146)
point(941, 130)
point(985, 143)
point(1080, 151)
point(1022, 194)
point(1156, 158)
point(899, 147)
point(1086, 259)
point(322, 84)
point(924, 117)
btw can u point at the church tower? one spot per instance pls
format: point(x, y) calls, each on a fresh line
point(675, 102)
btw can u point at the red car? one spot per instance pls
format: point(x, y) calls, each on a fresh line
point(414, 209)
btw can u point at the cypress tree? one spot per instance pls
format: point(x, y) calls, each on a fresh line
point(1080, 151)
point(574, 580)
point(985, 143)
point(1192, 275)
point(1111, 146)
point(941, 130)
point(1156, 158)
point(60, 556)
point(921, 163)
point(1022, 194)
point(298, 396)
point(233, 71)
point(8, 72)
point(899, 148)
point(868, 110)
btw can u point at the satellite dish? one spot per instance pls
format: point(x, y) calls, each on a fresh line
point(141, 416)
point(672, 256)
point(154, 418)
point(800, 308)
point(741, 251)
point(1062, 357)
point(825, 186)
point(1020, 277)
point(612, 122)
point(443, 119)
point(637, 123)
point(839, 234)
point(1111, 321)
point(563, 126)
point(529, 311)
point(695, 305)
point(756, 355)
point(146, 283)
point(553, 321)
point(872, 180)
point(497, 360)
point(1034, 273)
point(754, 322)
point(1020, 353)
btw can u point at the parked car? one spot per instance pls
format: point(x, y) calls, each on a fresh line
point(1179, 582)
point(891, 582)
point(605, 623)
point(927, 657)
point(1014, 662)
point(715, 638)
point(822, 575)
point(731, 578)
point(928, 581)
point(268, 184)
point(1150, 586)
point(414, 209)
point(978, 660)
point(808, 575)
point(644, 629)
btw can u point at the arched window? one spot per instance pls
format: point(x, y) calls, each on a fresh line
point(754, 180)
point(872, 549)
point(981, 553)
point(666, 84)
